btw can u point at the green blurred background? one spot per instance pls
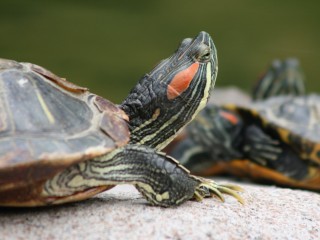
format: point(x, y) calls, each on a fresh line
point(108, 45)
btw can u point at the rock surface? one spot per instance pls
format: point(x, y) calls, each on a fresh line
point(229, 95)
point(121, 213)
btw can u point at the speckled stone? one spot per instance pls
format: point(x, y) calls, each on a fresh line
point(121, 213)
point(229, 95)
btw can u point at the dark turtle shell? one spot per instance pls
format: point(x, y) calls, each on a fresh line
point(293, 120)
point(299, 115)
point(48, 124)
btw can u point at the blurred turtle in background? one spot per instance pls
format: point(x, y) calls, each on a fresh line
point(274, 136)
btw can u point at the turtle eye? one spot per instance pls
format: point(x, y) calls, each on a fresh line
point(205, 57)
point(204, 54)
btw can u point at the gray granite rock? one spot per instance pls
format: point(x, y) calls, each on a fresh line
point(229, 95)
point(121, 213)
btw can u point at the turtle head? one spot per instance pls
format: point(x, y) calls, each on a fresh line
point(171, 95)
point(281, 78)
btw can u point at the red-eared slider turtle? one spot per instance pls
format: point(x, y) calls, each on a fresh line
point(276, 140)
point(60, 143)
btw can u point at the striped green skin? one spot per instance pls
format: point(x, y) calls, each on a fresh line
point(155, 117)
point(148, 170)
point(145, 99)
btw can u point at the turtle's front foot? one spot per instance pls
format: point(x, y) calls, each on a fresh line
point(208, 188)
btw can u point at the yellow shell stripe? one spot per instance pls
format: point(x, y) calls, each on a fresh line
point(315, 154)
point(285, 135)
point(45, 107)
point(43, 104)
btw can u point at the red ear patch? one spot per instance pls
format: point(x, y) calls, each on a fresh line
point(230, 117)
point(181, 81)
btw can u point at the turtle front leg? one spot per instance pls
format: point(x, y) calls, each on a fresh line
point(158, 177)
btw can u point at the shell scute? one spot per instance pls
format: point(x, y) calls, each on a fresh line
point(48, 124)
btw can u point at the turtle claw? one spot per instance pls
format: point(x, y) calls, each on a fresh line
point(208, 188)
point(233, 187)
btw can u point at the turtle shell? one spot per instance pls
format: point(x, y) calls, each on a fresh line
point(48, 124)
point(293, 120)
point(296, 120)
